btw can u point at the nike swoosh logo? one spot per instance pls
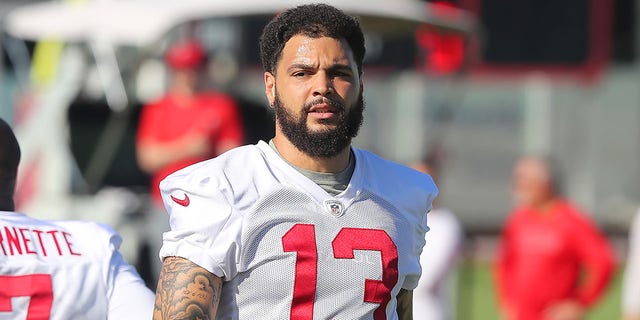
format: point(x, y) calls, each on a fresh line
point(183, 202)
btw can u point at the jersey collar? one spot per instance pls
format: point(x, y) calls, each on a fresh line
point(294, 177)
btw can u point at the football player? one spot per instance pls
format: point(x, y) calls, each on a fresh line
point(304, 226)
point(61, 269)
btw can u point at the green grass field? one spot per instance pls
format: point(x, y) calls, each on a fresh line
point(476, 299)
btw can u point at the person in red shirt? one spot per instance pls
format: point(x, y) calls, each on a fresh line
point(183, 127)
point(552, 262)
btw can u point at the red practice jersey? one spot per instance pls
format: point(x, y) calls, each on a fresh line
point(542, 256)
point(214, 115)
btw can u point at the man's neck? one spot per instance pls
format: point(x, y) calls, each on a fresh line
point(302, 160)
point(181, 99)
point(545, 207)
point(182, 91)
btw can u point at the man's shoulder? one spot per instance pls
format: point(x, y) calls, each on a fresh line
point(8, 217)
point(399, 184)
point(91, 234)
point(572, 215)
point(215, 95)
point(85, 226)
point(158, 103)
point(217, 100)
point(234, 158)
point(389, 173)
point(17, 218)
point(519, 216)
point(375, 160)
point(224, 170)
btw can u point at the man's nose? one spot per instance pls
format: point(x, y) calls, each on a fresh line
point(322, 85)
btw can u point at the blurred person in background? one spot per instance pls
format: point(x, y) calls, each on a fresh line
point(183, 127)
point(433, 297)
point(553, 263)
point(61, 269)
point(631, 283)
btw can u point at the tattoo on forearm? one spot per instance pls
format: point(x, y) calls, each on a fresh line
point(186, 291)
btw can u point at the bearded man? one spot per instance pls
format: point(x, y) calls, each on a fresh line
point(305, 226)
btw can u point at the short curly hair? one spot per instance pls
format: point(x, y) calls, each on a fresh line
point(315, 21)
point(9, 159)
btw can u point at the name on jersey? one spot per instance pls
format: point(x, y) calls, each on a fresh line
point(15, 241)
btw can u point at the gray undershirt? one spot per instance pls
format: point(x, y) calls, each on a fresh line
point(332, 183)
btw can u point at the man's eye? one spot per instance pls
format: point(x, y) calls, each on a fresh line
point(300, 74)
point(341, 74)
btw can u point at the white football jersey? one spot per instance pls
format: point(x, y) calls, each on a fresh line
point(66, 270)
point(432, 298)
point(288, 249)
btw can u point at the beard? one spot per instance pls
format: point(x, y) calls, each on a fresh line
point(324, 143)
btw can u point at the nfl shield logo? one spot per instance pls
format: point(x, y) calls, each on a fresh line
point(334, 207)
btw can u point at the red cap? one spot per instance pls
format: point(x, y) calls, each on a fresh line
point(185, 55)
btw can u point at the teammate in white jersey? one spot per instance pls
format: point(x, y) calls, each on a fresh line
point(61, 270)
point(434, 295)
point(305, 227)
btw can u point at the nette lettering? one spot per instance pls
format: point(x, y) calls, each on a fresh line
point(25, 240)
point(66, 237)
point(12, 240)
point(55, 240)
point(21, 240)
point(39, 234)
point(2, 244)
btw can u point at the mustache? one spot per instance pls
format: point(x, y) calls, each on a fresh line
point(335, 104)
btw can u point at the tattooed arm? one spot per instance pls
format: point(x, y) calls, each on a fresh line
point(186, 291)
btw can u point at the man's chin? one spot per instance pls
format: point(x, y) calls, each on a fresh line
point(321, 128)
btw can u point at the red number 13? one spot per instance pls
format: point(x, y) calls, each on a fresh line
point(301, 239)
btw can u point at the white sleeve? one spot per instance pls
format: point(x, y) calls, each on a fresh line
point(421, 227)
point(128, 296)
point(438, 261)
point(419, 231)
point(631, 284)
point(203, 228)
point(443, 244)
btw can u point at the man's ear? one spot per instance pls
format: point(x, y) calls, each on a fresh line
point(270, 87)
